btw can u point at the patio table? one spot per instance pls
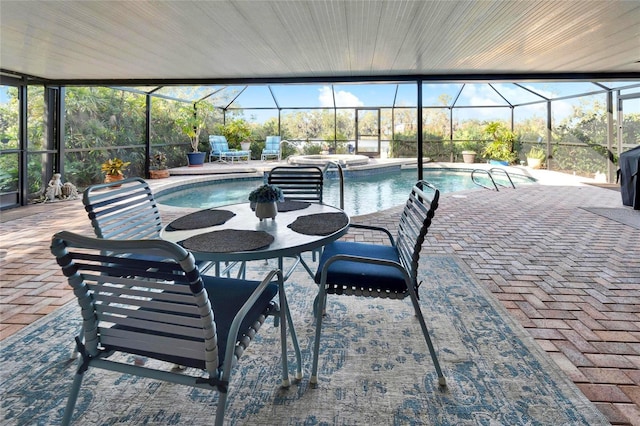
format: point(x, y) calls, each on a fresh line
point(301, 227)
point(234, 233)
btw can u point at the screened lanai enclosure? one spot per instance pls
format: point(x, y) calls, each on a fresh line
point(84, 82)
point(581, 126)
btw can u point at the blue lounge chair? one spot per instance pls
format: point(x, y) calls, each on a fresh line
point(220, 149)
point(272, 148)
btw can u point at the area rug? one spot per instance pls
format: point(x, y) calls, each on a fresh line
point(623, 215)
point(375, 368)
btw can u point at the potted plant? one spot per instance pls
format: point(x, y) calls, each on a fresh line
point(501, 149)
point(264, 198)
point(113, 169)
point(469, 157)
point(158, 168)
point(469, 151)
point(535, 157)
point(192, 120)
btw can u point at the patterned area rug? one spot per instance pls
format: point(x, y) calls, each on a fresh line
point(374, 368)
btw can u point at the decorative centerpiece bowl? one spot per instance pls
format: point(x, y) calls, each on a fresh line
point(265, 198)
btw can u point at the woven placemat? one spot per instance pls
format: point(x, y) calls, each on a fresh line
point(200, 219)
point(288, 206)
point(227, 241)
point(320, 223)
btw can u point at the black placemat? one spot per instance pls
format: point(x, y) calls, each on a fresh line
point(320, 223)
point(228, 241)
point(200, 219)
point(288, 206)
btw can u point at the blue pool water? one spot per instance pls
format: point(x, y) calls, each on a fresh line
point(362, 195)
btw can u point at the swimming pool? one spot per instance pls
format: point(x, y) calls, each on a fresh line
point(362, 194)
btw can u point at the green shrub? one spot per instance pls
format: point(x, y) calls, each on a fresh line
point(536, 153)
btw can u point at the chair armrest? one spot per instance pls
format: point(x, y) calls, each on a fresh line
point(237, 320)
point(375, 228)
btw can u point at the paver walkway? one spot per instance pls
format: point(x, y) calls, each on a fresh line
point(571, 277)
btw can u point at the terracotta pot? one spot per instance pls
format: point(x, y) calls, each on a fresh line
point(158, 174)
point(266, 210)
point(113, 178)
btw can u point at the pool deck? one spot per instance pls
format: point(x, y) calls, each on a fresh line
point(571, 277)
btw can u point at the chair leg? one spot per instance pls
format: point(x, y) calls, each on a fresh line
point(283, 336)
point(73, 396)
point(441, 379)
point(222, 406)
point(322, 300)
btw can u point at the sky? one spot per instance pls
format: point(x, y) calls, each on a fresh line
point(466, 96)
point(384, 95)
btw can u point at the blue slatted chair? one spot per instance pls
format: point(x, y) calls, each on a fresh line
point(220, 150)
point(299, 183)
point(127, 211)
point(376, 270)
point(271, 148)
point(165, 310)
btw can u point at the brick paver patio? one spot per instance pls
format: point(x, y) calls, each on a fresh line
point(571, 277)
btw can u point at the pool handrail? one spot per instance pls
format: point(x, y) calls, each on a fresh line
point(473, 179)
point(497, 169)
point(340, 175)
point(490, 174)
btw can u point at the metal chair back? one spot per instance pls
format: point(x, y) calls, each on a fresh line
point(124, 211)
point(414, 224)
point(302, 183)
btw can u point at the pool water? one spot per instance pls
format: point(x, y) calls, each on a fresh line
point(362, 195)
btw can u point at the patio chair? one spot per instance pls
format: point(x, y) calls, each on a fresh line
point(272, 148)
point(165, 310)
point(299, 183)
point(220, 149)
point(127, 211)
point(376, 270)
